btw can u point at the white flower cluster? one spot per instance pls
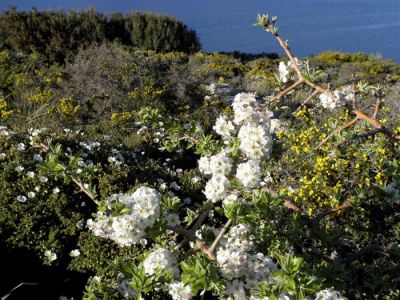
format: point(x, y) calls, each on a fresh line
point(337, 98)
point(4, 131)
point(223, 127)
point(179, 291)
point(329, 295)
point(127, 229)
point(253, 128)
point(159, 260)
point(249, 173)
point(243, 268)
point(285, 69)
point(331, 101)
point(219, 164)
point(50, 255)
point(90, 146)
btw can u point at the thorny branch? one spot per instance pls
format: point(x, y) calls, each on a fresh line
point(270, 27)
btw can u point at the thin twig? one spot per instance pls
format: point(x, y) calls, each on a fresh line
point(84, 190)
point(284, 92)
point(312, 95)
point(220, 236)
point(377, 107)
point(328, 212)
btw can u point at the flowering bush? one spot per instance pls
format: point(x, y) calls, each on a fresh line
point(260, 198)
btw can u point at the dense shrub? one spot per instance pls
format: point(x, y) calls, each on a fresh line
point(59, 35)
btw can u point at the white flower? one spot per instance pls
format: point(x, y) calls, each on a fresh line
point(223, 127)
point(173, 219)
point(75, 253)
point(216, 188)
point(19, 169)
point(158, 260)
point(37, 158)
point(283, 72)
point(30, 174)
point(21, 146)
point(328, 295)
point(255, 141)
point(220, 164)
point(2, 156)
point(248, 174)
point(43, 179)
point(204, 165)
point(243, 104)
point(31, 195)
point(111, 159)
point(236, 289)
point(127, 229)
point(231, 198)
point(195, 179)
point(331, 101)
point(179, 291)
point(275, 124)
point(21, 198)
point(56, 190)
point(50, 255)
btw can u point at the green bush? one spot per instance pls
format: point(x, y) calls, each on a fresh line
point(59, 35)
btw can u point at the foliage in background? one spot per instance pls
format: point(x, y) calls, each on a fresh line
point(59, 35)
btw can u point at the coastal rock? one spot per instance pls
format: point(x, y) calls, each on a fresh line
point(223, 91)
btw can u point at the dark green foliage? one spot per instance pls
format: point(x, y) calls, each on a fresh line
point(160, 34)
point(59, 35)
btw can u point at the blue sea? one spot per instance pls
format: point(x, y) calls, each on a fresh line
point(310, 26)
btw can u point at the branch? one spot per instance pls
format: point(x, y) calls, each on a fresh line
point(220, 236)
point(84, 190)
point(337, 130)
point(325, 213)
point(358, 113)
point(284, 92)
point(312, 95)
point(377, 107)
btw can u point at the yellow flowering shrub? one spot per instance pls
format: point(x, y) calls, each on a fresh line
point(326, 172)
point(68, 107)
point(121, 117)
point(5, 112)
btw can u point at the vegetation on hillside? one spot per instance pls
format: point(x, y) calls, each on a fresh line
point(124, 176)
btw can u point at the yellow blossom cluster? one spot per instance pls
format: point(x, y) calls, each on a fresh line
point(121, 117)
point(325, 175)
point(68, 107)
point(5, 112)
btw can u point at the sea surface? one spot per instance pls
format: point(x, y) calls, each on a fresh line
point(310, 26)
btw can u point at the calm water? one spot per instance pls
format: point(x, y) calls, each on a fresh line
point(311, 26)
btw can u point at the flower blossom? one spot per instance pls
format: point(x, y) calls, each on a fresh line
point(159, 260)
point(179, 291)
point(223, 127)
point(128, 228)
